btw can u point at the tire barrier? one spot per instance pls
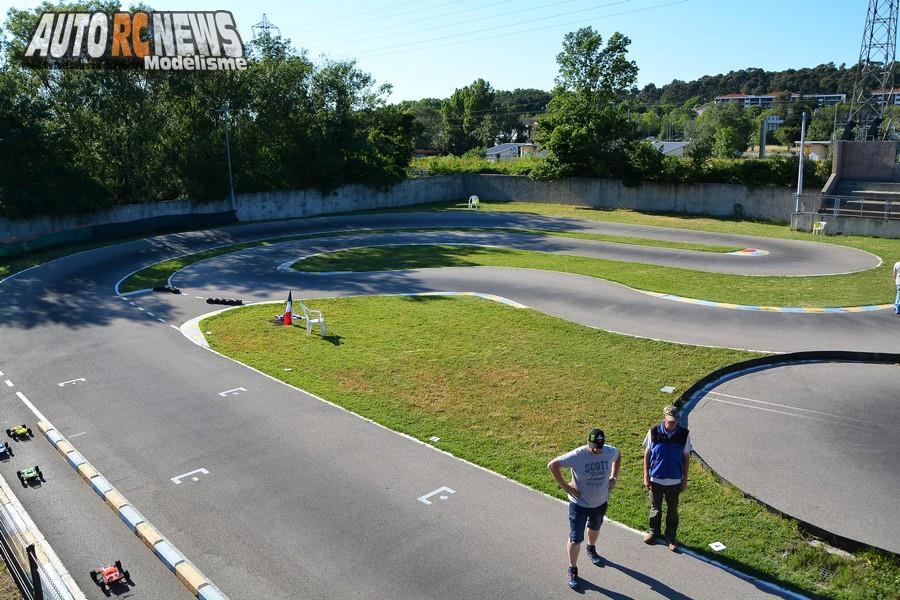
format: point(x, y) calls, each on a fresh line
point(225, 301)
point(693, 394)
point(166, 288)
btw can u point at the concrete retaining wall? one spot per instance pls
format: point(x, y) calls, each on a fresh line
point(722, 200)
point(715, 199)
point(847, 225)
point(27, 235)
point(307, 203)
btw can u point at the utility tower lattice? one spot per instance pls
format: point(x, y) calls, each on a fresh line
point(265, 27)
point(875, 70)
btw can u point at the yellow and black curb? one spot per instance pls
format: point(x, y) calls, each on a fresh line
point(188, 574)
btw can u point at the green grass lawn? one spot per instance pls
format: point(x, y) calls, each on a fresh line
point(836, 290)
point(158, 274)
point(480, 383)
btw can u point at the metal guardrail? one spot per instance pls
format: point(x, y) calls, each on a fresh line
point(849, 206)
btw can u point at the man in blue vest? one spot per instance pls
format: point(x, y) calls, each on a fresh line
point(667, 455)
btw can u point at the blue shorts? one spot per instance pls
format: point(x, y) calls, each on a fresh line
point(579, 516)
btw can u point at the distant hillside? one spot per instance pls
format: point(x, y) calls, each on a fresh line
point(822, 79)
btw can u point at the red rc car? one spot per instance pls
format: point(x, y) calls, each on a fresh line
point(109, 575)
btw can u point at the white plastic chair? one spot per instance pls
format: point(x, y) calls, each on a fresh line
point(312, 318)
point(819, 228)
point(474, 201)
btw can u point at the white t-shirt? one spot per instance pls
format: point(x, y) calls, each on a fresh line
point(687, 450)
point(591, 474)
point(897, 272)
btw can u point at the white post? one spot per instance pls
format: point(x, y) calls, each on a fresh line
point(800, 162)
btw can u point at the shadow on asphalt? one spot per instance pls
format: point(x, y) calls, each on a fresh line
point(654, 584)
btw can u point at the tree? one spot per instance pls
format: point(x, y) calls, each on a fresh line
point(467, 122)
point(721, 130)
point(728, 143)
point(586, 130)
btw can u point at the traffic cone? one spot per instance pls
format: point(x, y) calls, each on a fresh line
point(289, 311)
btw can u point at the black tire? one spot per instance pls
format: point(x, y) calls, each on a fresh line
point(29, 432)
point(9, 451)
point(94, 577)
point(118, 564)
point(40, 474)
point(21, 479)
point(126, 575)
point(9, 432)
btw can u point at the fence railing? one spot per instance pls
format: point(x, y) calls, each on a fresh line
point(849, 206)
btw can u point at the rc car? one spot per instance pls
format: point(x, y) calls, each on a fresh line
point(19, 432)
point(5, 450)
point(29, 474)
point(106, 576)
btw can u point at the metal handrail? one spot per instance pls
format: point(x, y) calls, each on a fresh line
point(849, 206)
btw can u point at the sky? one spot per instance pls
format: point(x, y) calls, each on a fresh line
point(428, 48)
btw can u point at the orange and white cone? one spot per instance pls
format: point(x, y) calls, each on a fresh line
point(289, 311)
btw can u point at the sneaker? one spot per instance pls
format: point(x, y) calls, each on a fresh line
point(573, 578)
point(649, 538)
point(592, 554)
point(673, 546)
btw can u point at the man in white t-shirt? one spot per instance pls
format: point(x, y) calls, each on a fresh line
point(896, 275)
point(667, 455)
point(595, 468)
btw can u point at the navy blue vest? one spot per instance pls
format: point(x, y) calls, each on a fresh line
point(667, 452)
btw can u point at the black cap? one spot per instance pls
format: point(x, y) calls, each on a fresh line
point(596, 438)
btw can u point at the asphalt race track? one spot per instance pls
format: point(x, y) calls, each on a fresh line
point(291, 507)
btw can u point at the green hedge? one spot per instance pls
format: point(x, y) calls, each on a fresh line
point(752, 172)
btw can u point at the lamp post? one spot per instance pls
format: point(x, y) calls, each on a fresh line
point(800, 161)
point(224, 111)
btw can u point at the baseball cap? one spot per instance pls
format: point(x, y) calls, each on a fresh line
point(596, 438)
point(671, 412)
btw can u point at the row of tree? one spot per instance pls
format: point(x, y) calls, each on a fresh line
point(74, 140)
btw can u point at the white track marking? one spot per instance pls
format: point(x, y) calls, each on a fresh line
point(818, 412)
point(31, 407)
point(233, 392)
point(75, 435)
point(160, 320)
point(201, 471)
point(8, 383)
point(150, 314)
point(62, 383)
point(425, 499)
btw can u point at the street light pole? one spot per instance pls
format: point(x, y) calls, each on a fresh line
point(800, 168)
point(224, 110)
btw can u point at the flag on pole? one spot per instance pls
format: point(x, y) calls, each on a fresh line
point(289, 311)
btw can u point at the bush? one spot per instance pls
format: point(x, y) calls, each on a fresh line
point(644, 163)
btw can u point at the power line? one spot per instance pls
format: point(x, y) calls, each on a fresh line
point(381, 18)
point(441, 26)
point(455, 35)
point(365, 12)
point(580, 22)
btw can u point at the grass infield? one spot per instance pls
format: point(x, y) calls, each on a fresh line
point(158, 274)
point(481, 382)
point(838, 290)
